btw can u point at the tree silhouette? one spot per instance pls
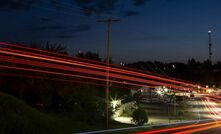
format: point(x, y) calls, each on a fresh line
point(58, 48)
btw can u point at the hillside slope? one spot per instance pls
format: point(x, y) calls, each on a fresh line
point(16, 117)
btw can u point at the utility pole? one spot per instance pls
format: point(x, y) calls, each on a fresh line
point(174, 67)
point(109, 23)
point(210, 46)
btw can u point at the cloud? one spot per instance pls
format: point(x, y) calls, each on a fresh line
point(62, 29)
point(49, 27)
point(7, 5)
point(88, 7)
point(97, 7)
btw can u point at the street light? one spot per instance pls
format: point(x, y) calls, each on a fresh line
point(198, 87)
point(165, 89)
point(209, 90)
point(159, 92)
point(115, 103)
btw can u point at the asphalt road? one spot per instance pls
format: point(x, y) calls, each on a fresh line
point(211, 127)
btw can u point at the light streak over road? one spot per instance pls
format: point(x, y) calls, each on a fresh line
point(63, 65)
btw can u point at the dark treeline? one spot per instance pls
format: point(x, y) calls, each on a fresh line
point(194, 71)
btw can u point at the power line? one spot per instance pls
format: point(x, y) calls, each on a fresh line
point(71, 7)
point(73, 13)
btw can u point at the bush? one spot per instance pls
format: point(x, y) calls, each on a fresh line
point(139, 117)
point(181, 113)
point(128, 109)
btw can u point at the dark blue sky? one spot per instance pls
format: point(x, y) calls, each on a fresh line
point(164, 30)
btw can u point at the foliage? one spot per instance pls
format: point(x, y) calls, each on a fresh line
point(58, 48)
point(89, 55)
point(83, 102)
point(180, 113)
point(129, 109)
point(137, 96)
point(195, 71)
point(16, 117)
point(139, 117)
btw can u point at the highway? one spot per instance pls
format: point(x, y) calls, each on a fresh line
point(188, 129)
point(211, 131)
point(211, 102)
point(32, 63)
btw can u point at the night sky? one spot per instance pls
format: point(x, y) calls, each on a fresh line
point(163, 30)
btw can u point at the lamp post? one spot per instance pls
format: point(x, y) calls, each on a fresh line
point(210, 46)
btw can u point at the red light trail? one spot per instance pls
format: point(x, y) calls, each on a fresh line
point(99, 66)
point(38, 58)
point(168, 130)
point(76, 69)
point(68, 75)
point(57, 79)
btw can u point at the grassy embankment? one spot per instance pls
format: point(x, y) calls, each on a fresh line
point(16, 117)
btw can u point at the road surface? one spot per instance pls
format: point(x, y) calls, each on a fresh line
point(212, 104)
